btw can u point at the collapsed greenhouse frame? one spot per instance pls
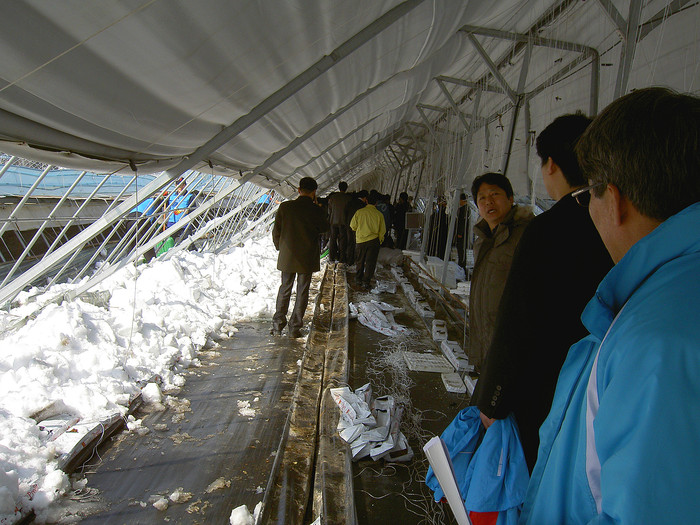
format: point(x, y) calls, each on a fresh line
point(507, 72)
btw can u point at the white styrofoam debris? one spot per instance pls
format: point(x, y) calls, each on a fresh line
point(470, 384)
point(427, 362)
point(453, 383)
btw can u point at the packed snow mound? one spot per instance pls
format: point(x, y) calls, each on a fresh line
point(91, 356)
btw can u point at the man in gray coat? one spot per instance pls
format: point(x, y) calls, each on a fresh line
point(298, 226)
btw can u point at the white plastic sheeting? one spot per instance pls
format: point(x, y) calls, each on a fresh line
point(105, 83)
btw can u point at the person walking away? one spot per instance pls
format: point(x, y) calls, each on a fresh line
point(296, 234)
point(369, 228)
point(559, 262)
point(357, 201)
point(620, 444)
point(439, 222)
point(338, 243)
point(497, 234)
point(402, 207)
point(387, 211)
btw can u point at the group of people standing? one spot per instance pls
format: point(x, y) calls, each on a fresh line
point(360, 223)
point(609, 424)
point(584, 319)
point(358, 228)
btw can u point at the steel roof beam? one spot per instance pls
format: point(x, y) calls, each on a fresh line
point(492, 68)
point(629, 47)
point(525, 38)
point(453, 104)
point(471, 84)
point(615, 17)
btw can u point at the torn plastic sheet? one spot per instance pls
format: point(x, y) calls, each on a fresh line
point(456, 356)
point(381, 438)
point(378, 316)
point(384, 286)
point(353, 408)
point(439, 330)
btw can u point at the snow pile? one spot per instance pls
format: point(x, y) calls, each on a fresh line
point(242, 516)
point(91, 355)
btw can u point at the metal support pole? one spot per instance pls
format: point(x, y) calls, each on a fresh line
point(471, 84)
point(24, 199)
point(528, 147)
point(614, 15)
point(426, 222)
point(76, 215)
point(450, 234)
point(629, 46)
point(462, 181)
point(39, 232)
point(7, 165)
point(453, 105)
point(595, 83)
point(492, 68)
point(516, 110)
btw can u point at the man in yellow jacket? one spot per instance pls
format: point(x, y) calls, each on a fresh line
point(368, 225)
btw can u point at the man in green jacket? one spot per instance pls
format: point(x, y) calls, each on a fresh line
point(298, 226)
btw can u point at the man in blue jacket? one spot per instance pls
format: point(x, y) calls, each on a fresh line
point(621, 442)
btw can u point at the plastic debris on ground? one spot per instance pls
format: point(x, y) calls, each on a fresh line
point(455, 355)
point(439, 330)
point(384, 286)
point(463, 289)
point(453, 383)
point(424, 310)
point(470, 383)
point(378, 316)
point(371, 426)
point(420, 362)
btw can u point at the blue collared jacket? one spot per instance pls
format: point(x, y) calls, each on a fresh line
point(621, 443)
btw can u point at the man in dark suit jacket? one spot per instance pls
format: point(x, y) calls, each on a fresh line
point(556, 269)
point(298, 226)
point(338, 244)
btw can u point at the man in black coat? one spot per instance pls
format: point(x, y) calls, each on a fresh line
point(298, 226)
point(400, 210)
point(557, 267)
point(338, 243)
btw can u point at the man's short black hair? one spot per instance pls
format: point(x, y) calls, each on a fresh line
point(463, 196)
point(373, 197)
point(308, 184)
point(362, 194)
point(647, 144)
point(558, 140)
point(342, 185)
point(495, 179)
point(403, 196)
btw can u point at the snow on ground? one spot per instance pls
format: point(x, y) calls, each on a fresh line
point(89, 358)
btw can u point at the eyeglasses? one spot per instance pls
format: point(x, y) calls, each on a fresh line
point(583, 196)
